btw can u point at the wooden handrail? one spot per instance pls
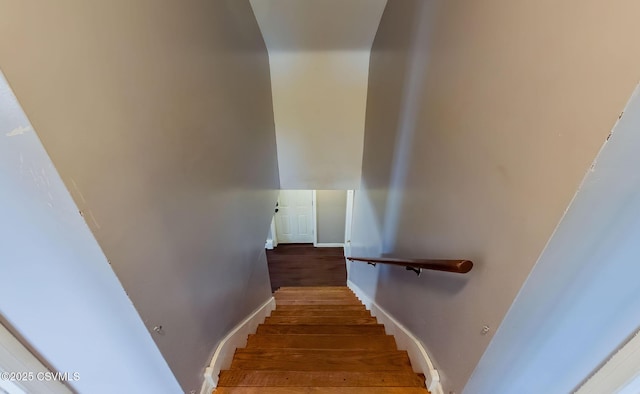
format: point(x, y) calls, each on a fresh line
point(457, 266)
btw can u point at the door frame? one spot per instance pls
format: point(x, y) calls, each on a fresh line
point(272, 239)
point(314, 219)
point(348, 225)
point(274, 235)
point(618, 372)
point(15, 357)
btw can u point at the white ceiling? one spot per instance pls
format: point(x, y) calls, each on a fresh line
point(300, 25)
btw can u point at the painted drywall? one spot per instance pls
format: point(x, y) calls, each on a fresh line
point(482, 119)
point(158, 116)
point(319, 101)
point(319, 58)
point(331, 212)
point(582, 300)
point(318, 25)
point(58, 291)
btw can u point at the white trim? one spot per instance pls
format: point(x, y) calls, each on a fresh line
point(329, 245)
point(15, 357)
point(618, 372)
point(348, 225)
point(348, 222)
point(420, 360)
point(274, 235)
point(314, 217)
point(272, 240)
point(236, 338)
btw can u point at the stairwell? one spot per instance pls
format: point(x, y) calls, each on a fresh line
point(320, 340)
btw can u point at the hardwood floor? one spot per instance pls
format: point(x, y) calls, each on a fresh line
point(304, 265)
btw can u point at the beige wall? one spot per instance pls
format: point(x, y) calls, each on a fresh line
point(331, 211)
point(481, 121)
point(581, 301)
point(318, 25)
point(58, 291)
point(319, 100)
point(158, 116)
point(319, 57)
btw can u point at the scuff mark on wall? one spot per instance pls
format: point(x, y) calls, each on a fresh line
point(77, 190)
point(93, 219)
point(18, 131)
point(45, 178)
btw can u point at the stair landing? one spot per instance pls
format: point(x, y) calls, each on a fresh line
point(320, 340)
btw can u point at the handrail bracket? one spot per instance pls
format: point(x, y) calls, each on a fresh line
point(418, 270)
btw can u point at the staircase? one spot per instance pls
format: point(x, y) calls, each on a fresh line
point(320, 340)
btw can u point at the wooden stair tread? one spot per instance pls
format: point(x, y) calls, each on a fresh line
point(324, 320)
point(314, 288)
point(313, 300)
point(317, 300)
point(294, 301)
point(338, 342)
point(320, 360)
point(347, 329)
point(319, 379)
point(308, 289)
point(314, 390)
point(320, 340)
point(322, 313)
point(284, 293)
point(293, 296)
point(320, 307)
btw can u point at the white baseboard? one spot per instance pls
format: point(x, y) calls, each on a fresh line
point(269, 244)
point(328, 245)
point(420, 360)
point(236, 338)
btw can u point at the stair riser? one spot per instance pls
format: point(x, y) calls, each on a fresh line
point(319, 379)
point(314, 297)
point(321, 313)
point(331, 320)
point(336, 342)
point(304, 308)
point(314, 289)
point(283, 329)
point(315, 302)
point(320, 360)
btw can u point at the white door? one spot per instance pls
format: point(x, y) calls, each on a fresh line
point(294, 219)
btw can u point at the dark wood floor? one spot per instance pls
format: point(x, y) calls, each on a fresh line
point(304, 265)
